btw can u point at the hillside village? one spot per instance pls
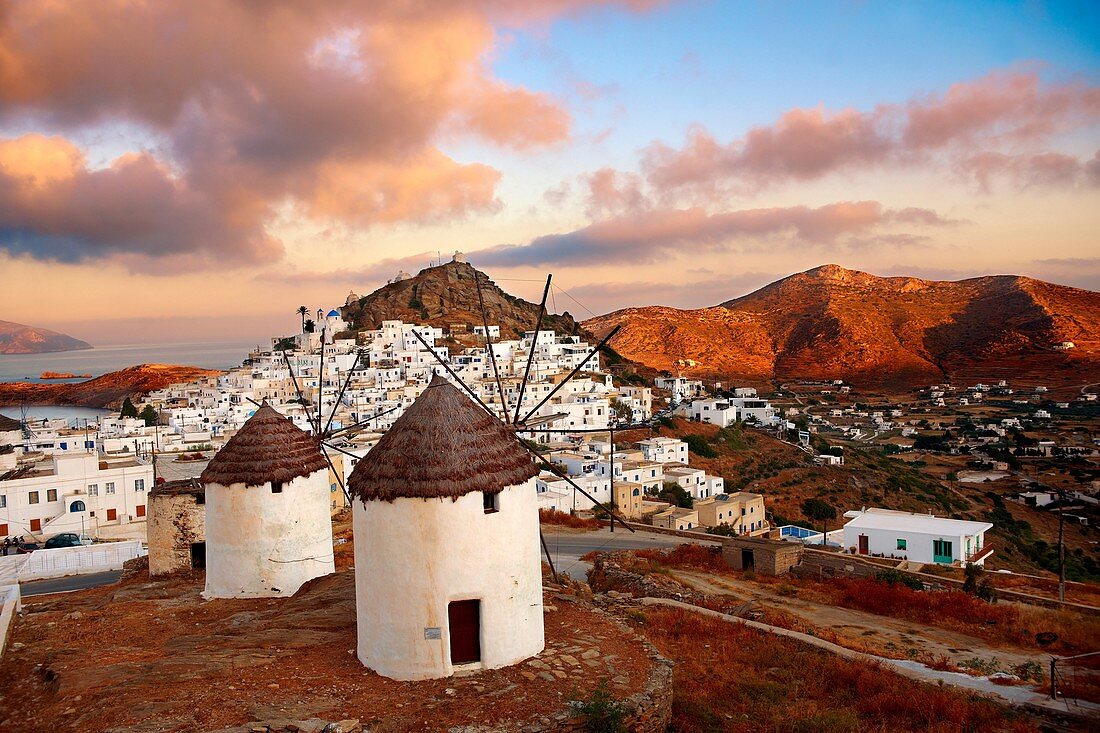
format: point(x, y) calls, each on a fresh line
point(584, 366)
point(817, 482)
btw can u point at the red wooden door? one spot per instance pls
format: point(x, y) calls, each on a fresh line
point(464, 619)
point(863, 550)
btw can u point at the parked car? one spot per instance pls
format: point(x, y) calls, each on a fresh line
point(65, 539)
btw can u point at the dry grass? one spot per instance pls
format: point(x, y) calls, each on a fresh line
point(731, 678)
point(1009, 623)
point(1001, 623)
point(561, 519)
point(687, 557)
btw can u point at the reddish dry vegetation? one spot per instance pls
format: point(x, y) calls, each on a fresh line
point(561, 519)
point(687, 557)
point(103, 391)
point(1008, 623)
point(1086, 593)
point(833, 323)
point(731, 678)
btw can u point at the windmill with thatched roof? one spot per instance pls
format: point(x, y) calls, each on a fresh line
point(268, 526)
point(447, 569)
point(446, 523)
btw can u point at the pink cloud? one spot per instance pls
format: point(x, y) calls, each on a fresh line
point(337, 106)
point(613, 192)
point(52, 205)
point(806, 144)
point(1043, 170)
point(648, 236)
point(516, 117)
point(1009, 105)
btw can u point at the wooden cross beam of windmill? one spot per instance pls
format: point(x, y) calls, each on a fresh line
point(525, 424)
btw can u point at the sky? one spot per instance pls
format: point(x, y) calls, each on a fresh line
point(182, 171)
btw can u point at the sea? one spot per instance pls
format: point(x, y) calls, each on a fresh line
point(103, 359)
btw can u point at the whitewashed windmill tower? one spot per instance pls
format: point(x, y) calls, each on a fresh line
point(268, 525)
point(447, 566)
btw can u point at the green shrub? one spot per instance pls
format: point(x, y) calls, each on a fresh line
point(698, 445)
point(601, 712)
point(894, 577)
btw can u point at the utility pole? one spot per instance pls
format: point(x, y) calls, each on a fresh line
point(611, 432)
point(1061, 547)
point(156, 445)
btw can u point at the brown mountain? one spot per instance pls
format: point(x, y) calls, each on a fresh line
point(446, 295)
point(16, 338)
point(834, 323)
point(108, 390)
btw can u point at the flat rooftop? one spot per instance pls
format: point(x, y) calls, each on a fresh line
point(922, 523)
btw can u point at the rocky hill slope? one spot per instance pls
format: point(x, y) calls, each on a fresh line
point(108, 390)
point(834, 323)
point(446, 295)
point(17, 338)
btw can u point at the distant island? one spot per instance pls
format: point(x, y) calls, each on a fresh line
point(18, 338)
point(63, 375)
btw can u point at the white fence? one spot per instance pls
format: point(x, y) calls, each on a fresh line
point(9, 605)
point(79, 560)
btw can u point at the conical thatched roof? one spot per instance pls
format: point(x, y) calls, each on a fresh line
point(444, 445)
point(268, 447)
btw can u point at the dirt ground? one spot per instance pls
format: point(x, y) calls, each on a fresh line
point(153, 656)
point(862, 631)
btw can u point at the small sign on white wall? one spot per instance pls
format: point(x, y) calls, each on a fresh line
point(432, 632)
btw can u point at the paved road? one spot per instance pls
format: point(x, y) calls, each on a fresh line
point(71, 582)
point(567, 547)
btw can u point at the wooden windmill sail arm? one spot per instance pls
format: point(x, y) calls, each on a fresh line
point(535, 422)
point(531, 354)
point(489, 347)
point(571, 374)
point(336, 405)
point(301, 398)
point(339, 478)
point(576, 486)
point(454, 376)
point(320, 380)
point(361, 423)
point(549, 559)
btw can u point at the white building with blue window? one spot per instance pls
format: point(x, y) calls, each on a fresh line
point(922, 538)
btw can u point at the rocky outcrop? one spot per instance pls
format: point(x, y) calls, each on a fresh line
point(17, 338)
point(833, 323)
point(447, 295)
point(108, 390)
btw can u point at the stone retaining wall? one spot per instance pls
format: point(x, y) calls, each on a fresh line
point(820, 565)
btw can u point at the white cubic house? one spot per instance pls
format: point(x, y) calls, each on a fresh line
point(919, 538)
point(94, 496)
